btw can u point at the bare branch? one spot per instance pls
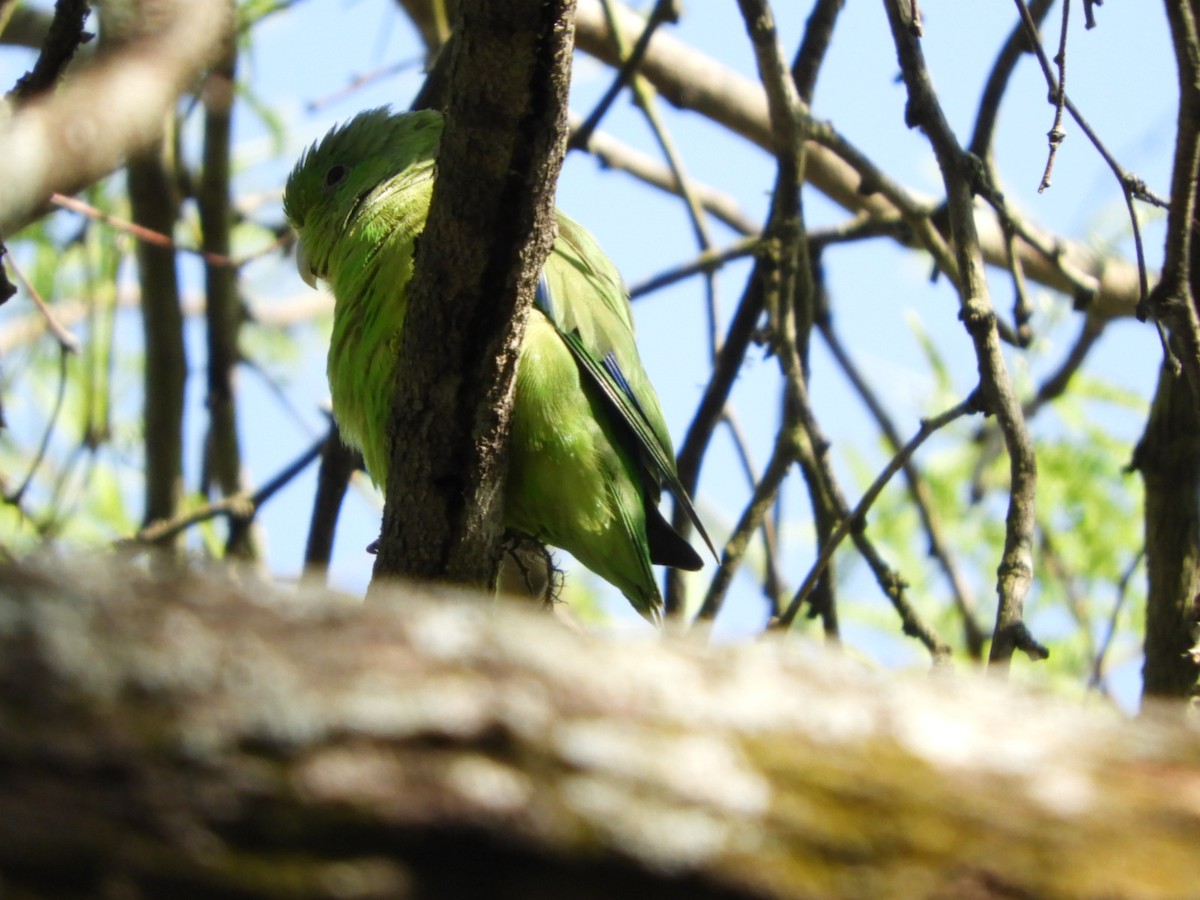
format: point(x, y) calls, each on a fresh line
point(691, 80)
point(996, 393)
point(109, 109)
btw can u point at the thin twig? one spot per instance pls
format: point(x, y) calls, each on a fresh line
point(918, 490)
point(613, 154)
point(996, 393)
point(1022, 308)
point(855, 519)
point(244, 505)
point(148, 235)
point(753, 516)
point(708, 415)
point(772, 580)
point(1097, 677)
point(1056, 134)
point(62, 334)
point(1127, 181)
point(14, 497)
point(664, 11)
point(644, 97)
point(338, 464)
point(694, 81)
point(999, 78)
point(818, 33)
point(358, 82)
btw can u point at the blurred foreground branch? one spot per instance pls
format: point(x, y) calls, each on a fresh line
point(197, 737)
point(107, 110)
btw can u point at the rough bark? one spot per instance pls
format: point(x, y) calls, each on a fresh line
point(191, 737)
point(1170, 467)
point(490, 228)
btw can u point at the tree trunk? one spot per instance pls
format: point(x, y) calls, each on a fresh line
point(1168, 458)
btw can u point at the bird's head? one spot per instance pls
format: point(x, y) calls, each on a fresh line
point(338, 174)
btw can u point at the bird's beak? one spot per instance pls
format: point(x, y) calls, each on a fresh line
point(304, 267)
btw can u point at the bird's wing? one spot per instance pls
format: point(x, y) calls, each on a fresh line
point(581, 292)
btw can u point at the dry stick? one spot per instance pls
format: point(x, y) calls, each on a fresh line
point(918, 490)
point(644, 98)
point(614, 154)
point(1015, 47)
point(995, 388)
point(918, 215)
point(691, 201)
point(1051, 389)
point(664, 11)
point(358, 82)
point(162, 62)
point(693, 81)
point(66, 340)
point(154, 204)
point(14, 498)
point(1011, 227)
point(1082, 287)
point(1097, 677)
point(789, 122)
point(787, 276)
point(1022, 308)
point(1131, 185)
point(706, 263)
point(1056, 134)
point(240, 507)
point(806, 66)
point(716, 393)
point(818, 32)
point(857, 228)
point(772, 580)
point(22, 330)
point(65, 35)
point(1056, 384)
point(789, 289)
point(853, 522)
point(753, 516)
point(827, 506)
point(223, 310)
point(158, 239)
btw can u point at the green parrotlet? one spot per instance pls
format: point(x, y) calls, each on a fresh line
point(589, 450)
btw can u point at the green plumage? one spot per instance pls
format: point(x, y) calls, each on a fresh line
point(589, 449)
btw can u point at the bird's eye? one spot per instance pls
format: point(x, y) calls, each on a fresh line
point(336, 175)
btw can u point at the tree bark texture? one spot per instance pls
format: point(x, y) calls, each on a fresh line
point(1168, 455)
point(1170, 467)
point(490, 228)
point(193, 737)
